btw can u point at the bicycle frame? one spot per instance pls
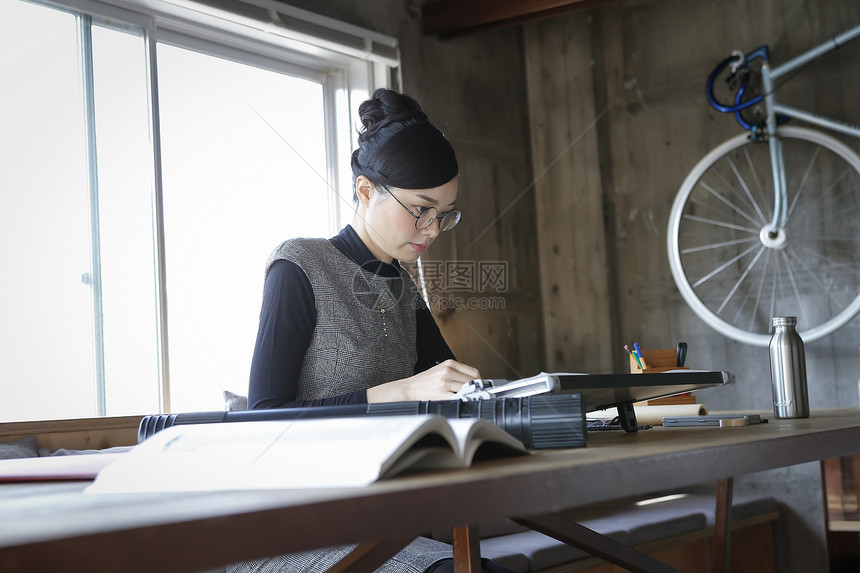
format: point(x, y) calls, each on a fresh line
point(774, 109)
point(771, 75)
point(777, 112)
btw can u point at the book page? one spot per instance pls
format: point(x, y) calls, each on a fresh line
point(473, 434)
point(468, 436)
point(50, 468)
point(310, 453)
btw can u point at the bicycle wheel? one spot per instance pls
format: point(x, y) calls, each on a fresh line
point(736, 276)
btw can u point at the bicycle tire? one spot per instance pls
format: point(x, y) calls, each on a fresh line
point(717, 237)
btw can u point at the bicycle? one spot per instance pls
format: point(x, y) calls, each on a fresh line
point(764, 225)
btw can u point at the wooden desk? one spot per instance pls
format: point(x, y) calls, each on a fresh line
point(53, 527)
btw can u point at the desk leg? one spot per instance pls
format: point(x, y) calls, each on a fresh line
point(467, 549)
point(575, 535)
point(368, 556)
point(723, 526)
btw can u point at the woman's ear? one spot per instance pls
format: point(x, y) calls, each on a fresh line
point(364, 189)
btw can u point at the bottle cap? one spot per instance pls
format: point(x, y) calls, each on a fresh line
point(784, 320)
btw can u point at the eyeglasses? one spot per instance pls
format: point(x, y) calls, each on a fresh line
point(447, 220)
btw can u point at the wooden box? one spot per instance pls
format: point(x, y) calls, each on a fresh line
point(661, 360)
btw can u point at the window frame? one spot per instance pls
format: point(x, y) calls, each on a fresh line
point(349, 61)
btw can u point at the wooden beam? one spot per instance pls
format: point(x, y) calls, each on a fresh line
point(449, 18)
point(75, 434)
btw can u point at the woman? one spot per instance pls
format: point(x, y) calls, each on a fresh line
point(342, 322)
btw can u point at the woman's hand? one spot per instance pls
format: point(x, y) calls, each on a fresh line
point(438, 383)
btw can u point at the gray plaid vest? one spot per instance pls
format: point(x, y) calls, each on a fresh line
point(364, 336)
point(365, 328)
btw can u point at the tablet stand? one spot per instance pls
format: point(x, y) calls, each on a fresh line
point(627, 417)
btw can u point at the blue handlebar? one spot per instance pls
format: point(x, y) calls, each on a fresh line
point(761, 52)
point(739, 104)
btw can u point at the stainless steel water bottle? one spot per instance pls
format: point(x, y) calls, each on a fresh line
point(788, 370)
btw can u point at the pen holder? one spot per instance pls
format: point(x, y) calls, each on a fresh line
point(656, 360)
point(661, 360)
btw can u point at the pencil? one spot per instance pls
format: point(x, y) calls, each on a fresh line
point(633, 354)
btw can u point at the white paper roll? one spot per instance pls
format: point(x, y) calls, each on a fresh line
point(653, 415)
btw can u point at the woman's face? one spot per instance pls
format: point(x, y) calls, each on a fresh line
point(391, 228)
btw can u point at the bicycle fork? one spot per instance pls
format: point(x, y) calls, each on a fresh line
point(777, 160)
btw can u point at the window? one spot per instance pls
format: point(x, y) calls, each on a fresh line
point(150, 163)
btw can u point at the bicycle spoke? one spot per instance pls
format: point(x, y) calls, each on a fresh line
point(731, 205)
point(710, 206)
point(823, 238)
point(803, 182)
point(773, 291)
point(724, 266)
point(742, 305)
point(747, 191)
point(761, 192)
point(814, 276)
point(760, 288)
point(741, 280)
point(850, 267)
point(721, 224)
point(794, 287)
point(717, 245)
point(809, 209)
point(840, 214)
point(725, 182)
point(731, 189)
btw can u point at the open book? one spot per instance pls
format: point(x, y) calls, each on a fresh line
point(55, 468)
point(308, 453)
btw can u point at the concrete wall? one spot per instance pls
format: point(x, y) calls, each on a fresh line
point(618, 118)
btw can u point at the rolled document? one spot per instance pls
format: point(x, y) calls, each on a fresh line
point(653, 415)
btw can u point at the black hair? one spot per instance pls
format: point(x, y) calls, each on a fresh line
point(399, 147)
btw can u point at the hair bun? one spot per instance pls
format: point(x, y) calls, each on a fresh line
point(387, 107)
point(399, 147)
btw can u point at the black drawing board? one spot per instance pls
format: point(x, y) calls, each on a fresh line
point(601, 391)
